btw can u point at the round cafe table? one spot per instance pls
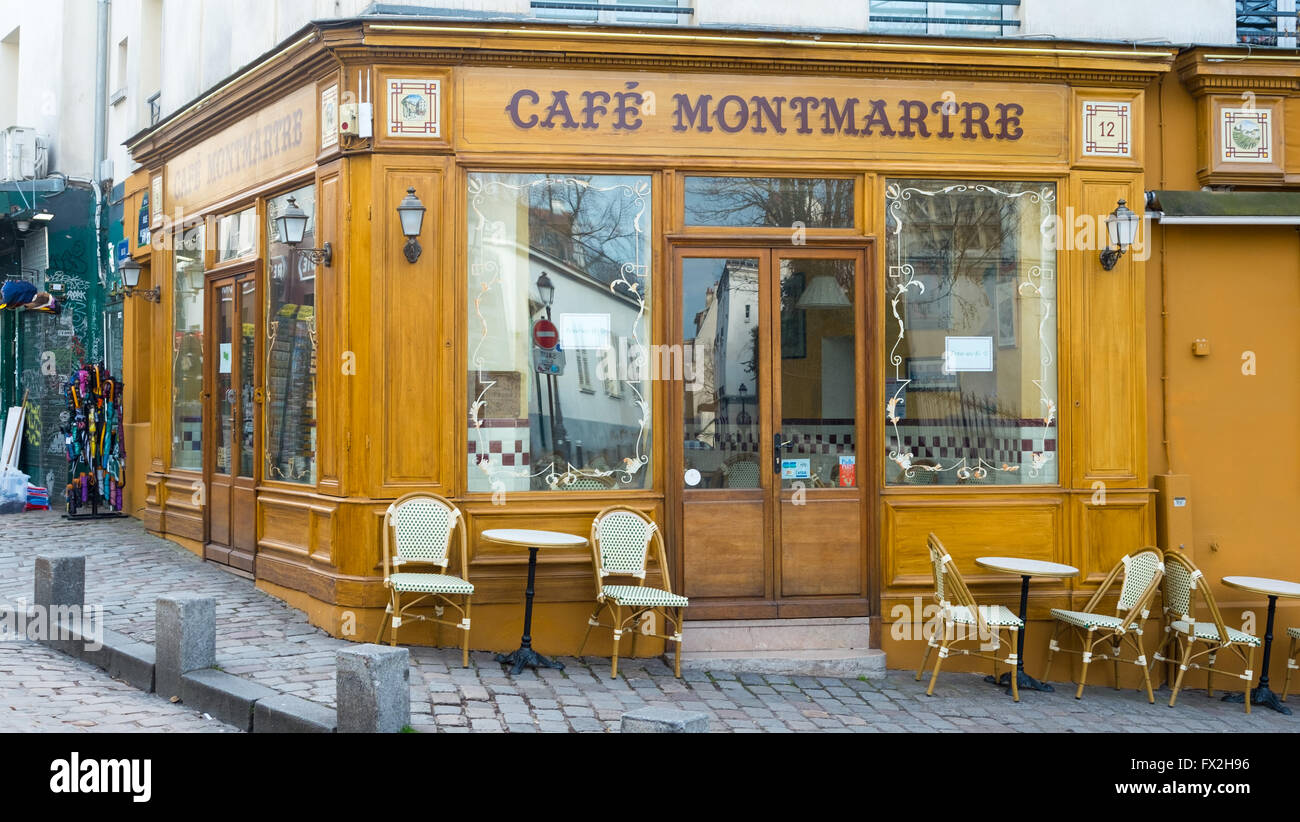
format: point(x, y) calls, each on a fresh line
point(1025, 569)
point(532, 540)
point(1271, 588)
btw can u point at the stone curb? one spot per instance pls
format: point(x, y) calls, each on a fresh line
point(287, 713)
point(231, 699)
point(224, 696)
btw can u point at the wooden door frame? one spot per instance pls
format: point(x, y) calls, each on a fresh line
point(868, 353)
point(232, 275)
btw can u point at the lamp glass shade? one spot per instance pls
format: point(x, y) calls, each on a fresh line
point(411, 212)
point(1121, 226)
point(823, 292)
point(130, 273)
point(546, 289)
point(292, 224)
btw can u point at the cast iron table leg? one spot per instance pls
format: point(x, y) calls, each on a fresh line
point(1263, 695)
point(1023, 680)
point(526, 656)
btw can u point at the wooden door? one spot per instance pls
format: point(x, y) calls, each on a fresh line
point(232, 453)
point(772, 413)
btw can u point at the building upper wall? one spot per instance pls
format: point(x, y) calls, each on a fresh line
point(1203, 22)
point(180, 49)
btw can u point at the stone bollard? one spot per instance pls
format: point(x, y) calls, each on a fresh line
point(60, 596)
point(664, 721)
point(60, 580)
point(185, 629)
point(374, 689)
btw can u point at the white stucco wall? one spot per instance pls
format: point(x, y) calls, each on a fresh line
point(53, 91)
point(1205, 22)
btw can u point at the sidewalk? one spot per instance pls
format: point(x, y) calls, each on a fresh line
point(263, 640)
point(44, 691)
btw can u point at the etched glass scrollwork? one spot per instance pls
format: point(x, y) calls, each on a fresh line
point(558, 332)
point(970, 333)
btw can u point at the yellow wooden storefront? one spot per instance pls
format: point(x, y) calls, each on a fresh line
point(395, 380)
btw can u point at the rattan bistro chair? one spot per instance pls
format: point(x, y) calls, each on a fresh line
point(1142, 573)
point(959, 615)
point(1184, 633)
point(1291, 655)
point(620, 543)
point(418, 529)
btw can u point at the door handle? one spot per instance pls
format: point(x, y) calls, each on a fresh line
point(776, 454)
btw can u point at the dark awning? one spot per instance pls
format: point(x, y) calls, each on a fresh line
point(1225, 207)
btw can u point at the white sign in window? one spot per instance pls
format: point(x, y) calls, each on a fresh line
point(584, 331)
point(967, 354)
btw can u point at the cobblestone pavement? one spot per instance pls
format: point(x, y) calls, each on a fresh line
point(260, 638)
point(44, 690)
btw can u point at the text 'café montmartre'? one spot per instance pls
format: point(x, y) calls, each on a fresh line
point(732, 114)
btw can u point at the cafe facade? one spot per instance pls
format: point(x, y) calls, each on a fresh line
point(803, 300)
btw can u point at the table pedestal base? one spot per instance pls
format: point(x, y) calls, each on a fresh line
point(517, 660)
point(1262, 695)
point(1023, 682)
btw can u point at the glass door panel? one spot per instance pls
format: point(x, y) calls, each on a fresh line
point(247, 371)
point(720, 352)
point(224, 394)
point(818, 373)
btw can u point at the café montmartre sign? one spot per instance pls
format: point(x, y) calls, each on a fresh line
point(735, 113)
point(276, 140)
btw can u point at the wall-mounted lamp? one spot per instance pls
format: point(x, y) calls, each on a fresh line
point(292, 226)
point(131, 280)
point(1121, 229)
point(411, 212)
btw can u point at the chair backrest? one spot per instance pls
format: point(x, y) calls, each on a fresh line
point(938, 559)
point(1180, 584)
point(950, 587)
point(1184, 580)
point(582, 484)
point(422, 526)
point(621, 539)
point(1142, 574)
point(741, 474)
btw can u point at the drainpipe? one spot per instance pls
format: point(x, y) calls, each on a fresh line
point(101, 89)
point(102, 256)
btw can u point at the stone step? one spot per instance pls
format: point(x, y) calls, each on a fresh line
point(844, 663)
point(726, 635)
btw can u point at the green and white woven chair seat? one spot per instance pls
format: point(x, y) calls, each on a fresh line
point(1083, 619)
point(430, 583)
point(642, 597)
point(1206, 630)
point(995, 615)
point(1294, 633)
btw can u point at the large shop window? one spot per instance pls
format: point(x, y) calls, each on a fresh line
point(970, 333)
point(187, 350)
point(559, 332)
point(291, 347)
point(770, 202)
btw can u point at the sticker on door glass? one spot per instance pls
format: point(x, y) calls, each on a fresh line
point(848, 471)
point(692, 476)
point(224, 359)
point(795, 469)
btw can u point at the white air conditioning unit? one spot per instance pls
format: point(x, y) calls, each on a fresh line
point(25, 153)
